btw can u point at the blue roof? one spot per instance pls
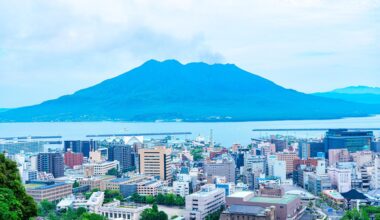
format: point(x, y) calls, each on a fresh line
point(51, 186)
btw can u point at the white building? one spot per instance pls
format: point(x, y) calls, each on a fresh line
point(320, 169)
point(340, 178)
point(279, 170)
point(181, 188)
point(204, 202)
point(116, 210)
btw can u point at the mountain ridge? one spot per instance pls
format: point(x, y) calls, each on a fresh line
point(172, 91)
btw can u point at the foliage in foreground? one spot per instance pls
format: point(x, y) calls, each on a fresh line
point(364, 214)
point(14, 202)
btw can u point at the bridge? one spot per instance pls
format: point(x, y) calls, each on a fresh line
point(313, 129)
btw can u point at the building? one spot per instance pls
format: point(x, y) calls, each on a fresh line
point(51, 191)
point(318, 182)
point(122, 153)
point(376, 173)
point(287, 206)
point(149, 187)
point(79, 146)
point(351, 140)
point(117, 210)
point(279, 170)
point(99, 168)
point(362, 157)
point(340, 178)
point(338, 155)
point(181, 188)
point(288, 157)
point(316, 148)
point(73, 159)
point(51, 163)
point(334, 196)
point(244, 212)
point(156, 162)
point(223, 167)
point(12, 147)
point(204, 202)
point(95, 182)
point(304, 150)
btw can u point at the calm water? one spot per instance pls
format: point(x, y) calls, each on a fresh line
point(225, 133)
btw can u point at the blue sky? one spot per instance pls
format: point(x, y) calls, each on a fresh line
point(51, 48)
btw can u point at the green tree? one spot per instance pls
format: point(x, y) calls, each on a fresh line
point(113, 172)
point(109, 195)
point(10, 179)
point(153, 214)
point(160, 199)
point(10, 207)
point(45, 207)
point(150, 199)
point(75, 184)
point(169, 199)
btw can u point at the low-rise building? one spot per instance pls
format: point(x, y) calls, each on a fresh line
point(99, 168)
point(50, 191)
point(117, 210)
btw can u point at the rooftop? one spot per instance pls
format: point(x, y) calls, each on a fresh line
point(246, 209)
point(286, 199)
point(43, 186)
point(120, 180)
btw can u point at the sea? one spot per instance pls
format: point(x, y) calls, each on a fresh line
point(225, 133)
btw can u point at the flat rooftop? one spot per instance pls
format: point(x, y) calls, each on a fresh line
point(241, 194)
point(286, 199)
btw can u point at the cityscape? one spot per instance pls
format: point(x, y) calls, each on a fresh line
point(274, 177)
point(189, 110)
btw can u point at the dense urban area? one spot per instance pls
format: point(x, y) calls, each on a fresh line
point(275, 177)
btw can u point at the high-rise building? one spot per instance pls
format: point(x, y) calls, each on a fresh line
point(316, 148)
point(200, 204)
point(351, 140)
point(224, 167)
point(279, 170)
point(73, 159)
point(79, 146)
point(303, 150)
point(156, 162)
point(122, 153)
point(51, 163)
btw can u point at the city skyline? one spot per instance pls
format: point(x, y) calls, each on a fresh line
point(309, 46)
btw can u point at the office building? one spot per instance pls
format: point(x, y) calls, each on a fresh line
point(204, 202)
point(51, 163)
point(316, 148)
point(224, 167)
point(50, 191)
point(181, 188)
point(288, 157)
point(351, 140)
point(79, 146)
point(279, 170)
point(73, 159)
point(304, 150)
point(318, 182)
point(340, 178)
point(338, 155)
point(156, 162)
point(122, 153)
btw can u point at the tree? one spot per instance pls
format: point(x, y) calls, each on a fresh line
point(113, 172)
point(10, 207)
point(45, 207)
point(10, 179)
point(75, 184)
point(149, 199)
point(169, 199)
point(153, 214)
point(109, 195)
